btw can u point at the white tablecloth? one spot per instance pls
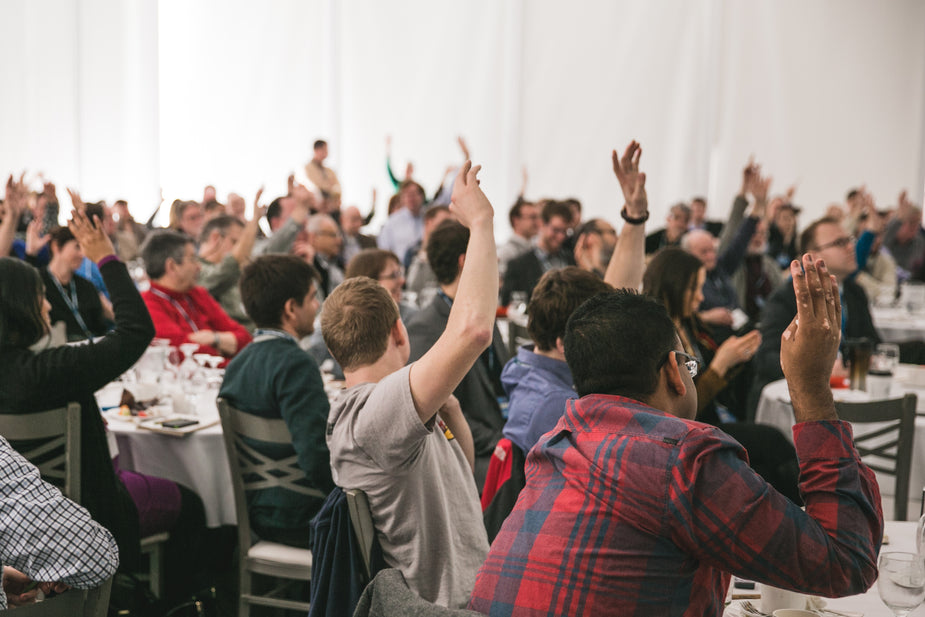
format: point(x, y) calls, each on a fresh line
point(774, 408)
point(902, 538)
point(897, 324)
point(197, 461)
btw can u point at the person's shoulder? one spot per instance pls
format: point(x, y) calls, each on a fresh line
point(524, 260)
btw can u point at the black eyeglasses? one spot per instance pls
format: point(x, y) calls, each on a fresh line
point(841, 243)
point(690, 362)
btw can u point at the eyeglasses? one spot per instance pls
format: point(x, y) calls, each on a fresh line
point(690, 362)
point(393, 275)
point(841, 243)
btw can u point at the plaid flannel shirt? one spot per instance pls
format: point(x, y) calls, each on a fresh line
point(631, 511)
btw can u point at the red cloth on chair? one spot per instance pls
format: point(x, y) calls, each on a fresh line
point(499, 470)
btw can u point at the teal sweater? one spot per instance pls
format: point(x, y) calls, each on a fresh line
point(276, 379)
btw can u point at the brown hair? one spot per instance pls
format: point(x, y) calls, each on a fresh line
point(370, 263)
point(356, 321)
point(556, 296)
point(808, 237)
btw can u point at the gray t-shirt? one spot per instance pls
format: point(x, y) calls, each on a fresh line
point(421, 491)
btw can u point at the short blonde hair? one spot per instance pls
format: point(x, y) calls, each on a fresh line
point(356, 322)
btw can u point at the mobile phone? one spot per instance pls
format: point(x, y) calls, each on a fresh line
point(178, 423)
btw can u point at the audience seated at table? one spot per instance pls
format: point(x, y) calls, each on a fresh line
point(724, 257)
point(480, 392)
point(699, 220)
point(828, 240)
point(421, 278)
point(676, 225)
point(351, 221)
point(183, 312)
point(74, 300)
point(782, 232)
point(187, 217)
point(903, 235)
point(397, 433)
point(548, 252)
point(631, 507)
point(675, 278)
point(524, 217)
point(36, 378)
point(274, 378)
point(224, 249)
point(405, 227)
point(324, 237)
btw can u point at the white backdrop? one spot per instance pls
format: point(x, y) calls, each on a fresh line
point(123, 97)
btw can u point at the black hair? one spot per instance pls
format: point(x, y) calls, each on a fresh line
point(22, 295)
point(444, 246)
point(615, 342)
point(269, 282)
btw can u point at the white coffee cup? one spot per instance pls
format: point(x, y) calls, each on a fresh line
point(773, 599)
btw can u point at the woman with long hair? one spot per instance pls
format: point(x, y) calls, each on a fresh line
point(675, 278)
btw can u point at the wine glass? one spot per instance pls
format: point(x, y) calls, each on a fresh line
point(901, 581)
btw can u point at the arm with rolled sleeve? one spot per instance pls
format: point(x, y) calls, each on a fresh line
point(727, 516)
point(46, 536)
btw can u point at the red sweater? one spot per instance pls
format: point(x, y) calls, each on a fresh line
point(199, 312)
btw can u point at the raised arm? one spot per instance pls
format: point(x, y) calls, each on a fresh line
point(469, 327)
point(245, 246)
point(13, 206)
point(628, 262)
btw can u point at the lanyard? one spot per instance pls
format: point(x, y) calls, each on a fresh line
point(262, 334)
point(72, 303)
point(176, 305)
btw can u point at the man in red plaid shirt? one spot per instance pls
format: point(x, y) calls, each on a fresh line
point(633, 508)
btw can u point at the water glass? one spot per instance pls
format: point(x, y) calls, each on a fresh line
point(902, 581)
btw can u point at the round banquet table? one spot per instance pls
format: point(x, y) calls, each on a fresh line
point(896, 325)
point(775, 409)
point(197, 460)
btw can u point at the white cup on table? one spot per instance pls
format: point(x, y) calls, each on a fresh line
point(773, 599)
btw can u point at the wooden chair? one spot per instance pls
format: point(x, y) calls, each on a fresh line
point(71, 603)
point(251, 470)
point(886, 447)
point(50, 440)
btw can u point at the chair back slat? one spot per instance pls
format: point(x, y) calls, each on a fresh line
point(50, 440)
point(891, 440)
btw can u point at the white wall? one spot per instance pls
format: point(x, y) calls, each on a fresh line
point(121, 98)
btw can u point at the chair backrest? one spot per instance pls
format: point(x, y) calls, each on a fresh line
point(72, 603)
point(886, 447)
point(50, 440)
point(252, 470)
point(362, 520)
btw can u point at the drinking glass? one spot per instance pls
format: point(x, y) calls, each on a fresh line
point(902, 581)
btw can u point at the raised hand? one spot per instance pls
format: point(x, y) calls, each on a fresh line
point(258, 210)
point(468, 202)
point(76, 201)
point(90, 235)
point(809, 345)
point(35, 239)
point(748, 174)
point(16, 197)
point(632, 181)
point(463, 147)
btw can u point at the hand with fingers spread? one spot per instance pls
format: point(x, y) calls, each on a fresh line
point(468, 202)
point(632, 181)
point(809, 345)
point(90, 235)
point(259, 210)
